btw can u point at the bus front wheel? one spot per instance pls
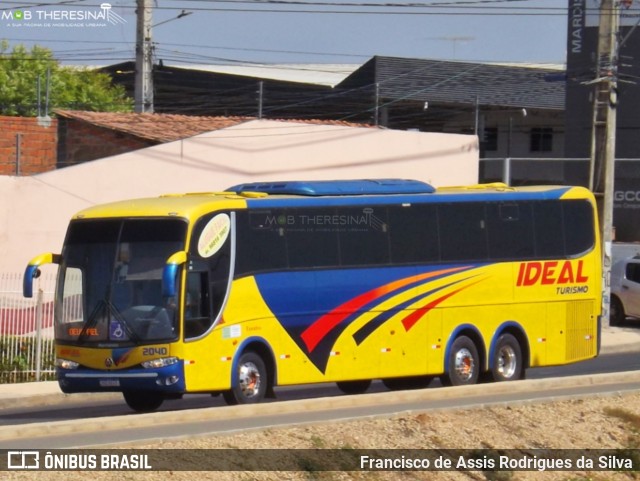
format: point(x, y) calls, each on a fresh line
point(507, 362)
point(252, 381)
point(143, 402)
point(463, 363)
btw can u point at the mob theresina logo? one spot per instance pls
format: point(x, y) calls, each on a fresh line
point(61, 17)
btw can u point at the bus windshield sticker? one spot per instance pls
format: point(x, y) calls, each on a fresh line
point(231, 332)
point(116, 332)
point(213, 235)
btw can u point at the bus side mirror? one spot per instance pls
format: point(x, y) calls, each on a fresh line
point(170, 273)
point(33, 271)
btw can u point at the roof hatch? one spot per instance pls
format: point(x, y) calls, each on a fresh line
point(337, 187)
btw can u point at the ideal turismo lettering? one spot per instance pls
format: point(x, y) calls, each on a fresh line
point(551, 273)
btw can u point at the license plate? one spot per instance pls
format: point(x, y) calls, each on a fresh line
point(109, 383)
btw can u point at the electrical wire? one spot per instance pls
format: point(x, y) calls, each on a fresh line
point(464, 5)
point(474, 8)
point(181, 56)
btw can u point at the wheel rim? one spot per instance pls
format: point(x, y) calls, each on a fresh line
point(464, 364)
point(507, 362)
point(249, 379)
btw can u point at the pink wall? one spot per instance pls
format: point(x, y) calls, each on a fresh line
point(34, 211)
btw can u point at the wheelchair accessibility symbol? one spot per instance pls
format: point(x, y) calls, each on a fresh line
point(116, 332)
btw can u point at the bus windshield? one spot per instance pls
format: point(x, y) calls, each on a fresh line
point(109, 285)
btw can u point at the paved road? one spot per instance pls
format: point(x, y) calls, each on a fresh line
point(41, 427)
point(113, 405)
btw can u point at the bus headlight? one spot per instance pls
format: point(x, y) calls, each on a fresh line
point(160, 362)
point(66, 364)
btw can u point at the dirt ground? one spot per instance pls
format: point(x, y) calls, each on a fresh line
point(611, 422)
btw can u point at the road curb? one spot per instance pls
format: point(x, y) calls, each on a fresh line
point(49, 398)
point(130, 421)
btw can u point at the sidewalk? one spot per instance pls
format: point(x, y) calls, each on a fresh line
point(620, 339)
point(614, 340)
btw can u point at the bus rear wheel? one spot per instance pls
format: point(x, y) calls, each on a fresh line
point(252, 382)
point(142, 401)
point(507, 362)
point(463, 363)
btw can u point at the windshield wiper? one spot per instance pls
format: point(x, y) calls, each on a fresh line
point(92, 320)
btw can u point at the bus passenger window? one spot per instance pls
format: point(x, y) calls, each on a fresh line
point(463, 235)
point(510, 229)
point(548, 230)
point(413, 234)
point(261, 243)
point(578, 220)
point(312, 238)
point(364, 236)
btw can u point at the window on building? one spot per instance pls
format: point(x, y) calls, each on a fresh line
point(541, 139)
point(490, 138)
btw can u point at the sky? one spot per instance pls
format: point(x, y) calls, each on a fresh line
point(89, 32)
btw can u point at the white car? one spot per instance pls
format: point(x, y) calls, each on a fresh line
point(625, 290)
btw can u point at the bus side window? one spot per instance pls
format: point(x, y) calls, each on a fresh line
point(196, 311)
point(548, 230)
point(363, 236)
point(463, 235)
point(413, 234)
point(510, 227)
point(578, 221)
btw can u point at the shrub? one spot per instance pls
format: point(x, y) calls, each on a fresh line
point(18, 358)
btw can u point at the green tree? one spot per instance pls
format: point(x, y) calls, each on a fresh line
point(69, 87)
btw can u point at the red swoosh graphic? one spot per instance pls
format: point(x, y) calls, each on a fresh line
point(409, 321)
point(319, 329)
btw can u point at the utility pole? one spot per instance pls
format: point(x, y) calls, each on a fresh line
point(260, 98)
point(143, 97)
point(603, 143)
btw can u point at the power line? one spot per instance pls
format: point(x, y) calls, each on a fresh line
point(478, 8)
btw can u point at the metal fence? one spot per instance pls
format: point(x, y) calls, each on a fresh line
point(26, 330)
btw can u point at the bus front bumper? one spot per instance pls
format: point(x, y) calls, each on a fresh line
point(168, 379)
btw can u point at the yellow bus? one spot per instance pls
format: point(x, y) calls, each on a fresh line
point(283, 283)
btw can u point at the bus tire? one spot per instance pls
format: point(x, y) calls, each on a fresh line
point(616, 312)
point(252, 382)
point(143, 401)
point(507, 361)
point(354, 387)
point(463, 363)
